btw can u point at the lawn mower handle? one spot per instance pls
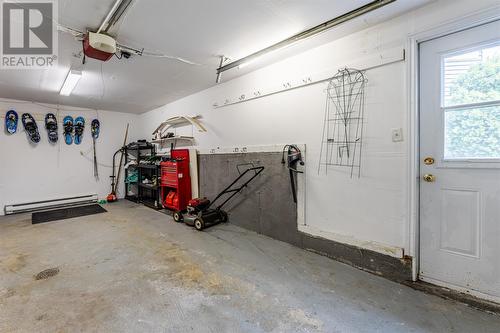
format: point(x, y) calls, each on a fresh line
point(235, 191)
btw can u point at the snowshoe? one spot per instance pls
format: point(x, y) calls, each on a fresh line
point(95, 128)
point(68, 129)
point(11, 119)
point(79, 127)
point(51, 126)
point(30, 127)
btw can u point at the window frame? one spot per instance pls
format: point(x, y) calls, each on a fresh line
point(468, 49)
point(443, 162)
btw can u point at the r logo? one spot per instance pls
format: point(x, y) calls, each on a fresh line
point(27, 28)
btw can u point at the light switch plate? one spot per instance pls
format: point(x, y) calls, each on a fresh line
point(397, 134)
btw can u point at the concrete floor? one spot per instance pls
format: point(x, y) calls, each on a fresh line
point(135, 270)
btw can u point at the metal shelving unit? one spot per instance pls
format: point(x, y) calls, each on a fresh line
point(148, 194)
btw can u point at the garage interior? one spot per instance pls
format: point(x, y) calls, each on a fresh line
point(250, 166)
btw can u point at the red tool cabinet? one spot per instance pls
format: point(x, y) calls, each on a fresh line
point(176, 180)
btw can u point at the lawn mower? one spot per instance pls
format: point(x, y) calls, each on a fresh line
point(199, 213)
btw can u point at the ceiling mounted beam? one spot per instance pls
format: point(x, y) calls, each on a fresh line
point(306, 34)
point(114, 15)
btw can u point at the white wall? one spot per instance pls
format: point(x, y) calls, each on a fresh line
point(44, 171)
point(371, 211)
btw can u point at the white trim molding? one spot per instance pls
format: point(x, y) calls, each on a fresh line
point(471, 20)
point(393, 251)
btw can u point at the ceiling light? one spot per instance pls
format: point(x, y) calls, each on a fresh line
point(71, 81)
point(373, 5)
point(245, 64)
point(258, 58)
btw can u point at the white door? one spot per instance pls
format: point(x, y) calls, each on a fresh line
point(460, 161)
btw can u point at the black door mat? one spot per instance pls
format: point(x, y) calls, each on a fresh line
point(66, 213)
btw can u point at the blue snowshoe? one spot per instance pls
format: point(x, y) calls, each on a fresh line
point(11, 119)
point(79, 128)
point(68, 129)
point(51, 127)
point(95, 128)
point(30, 127)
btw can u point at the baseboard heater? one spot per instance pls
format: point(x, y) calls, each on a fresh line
point(50, 204)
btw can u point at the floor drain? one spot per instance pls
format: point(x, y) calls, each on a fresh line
point(47, 273)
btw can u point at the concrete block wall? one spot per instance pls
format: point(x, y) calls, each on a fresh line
point(266, 206)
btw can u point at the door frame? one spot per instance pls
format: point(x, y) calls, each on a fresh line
point(472, 20)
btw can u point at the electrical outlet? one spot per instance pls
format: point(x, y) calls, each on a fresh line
point(397, 134)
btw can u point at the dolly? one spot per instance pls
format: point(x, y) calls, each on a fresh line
point(199, 213)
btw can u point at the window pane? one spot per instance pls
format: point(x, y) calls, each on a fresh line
point(472, 133)
point(472, 77)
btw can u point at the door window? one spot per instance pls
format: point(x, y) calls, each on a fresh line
point(470, 98)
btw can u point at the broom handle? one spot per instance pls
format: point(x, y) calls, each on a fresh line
point(121, 161)
point(96, 171)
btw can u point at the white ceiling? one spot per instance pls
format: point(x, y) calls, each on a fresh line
point(198, 30)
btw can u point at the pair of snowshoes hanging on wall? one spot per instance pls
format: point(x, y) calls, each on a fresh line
point(31, 127)
point(73, 129)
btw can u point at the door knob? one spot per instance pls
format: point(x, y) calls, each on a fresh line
point(429, 178)
point(428, 160)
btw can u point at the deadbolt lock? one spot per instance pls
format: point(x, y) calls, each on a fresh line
point(428, 161)
point(429, 178)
